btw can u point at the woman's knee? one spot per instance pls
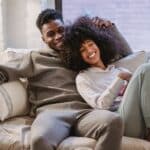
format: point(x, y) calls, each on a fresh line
point(116, 123)
point(110, 119)
point(113, 125)
point(108, 116)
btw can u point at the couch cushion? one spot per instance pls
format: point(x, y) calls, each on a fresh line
point(82, 143)
point(76, 143)
point(15, 133)
point(13, 100)
point(129, 143)
point(131, 62)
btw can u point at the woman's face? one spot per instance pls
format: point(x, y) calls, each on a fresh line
point(90, 53)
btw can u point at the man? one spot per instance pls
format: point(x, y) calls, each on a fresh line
point(58, 109)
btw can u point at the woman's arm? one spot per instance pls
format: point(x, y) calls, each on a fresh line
point(107, 98)
point(92, 95)
point(87, 90)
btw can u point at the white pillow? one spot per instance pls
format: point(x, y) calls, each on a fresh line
point(13, 100)
point(132, 61)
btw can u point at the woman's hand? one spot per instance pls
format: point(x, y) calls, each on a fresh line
point(125, 75)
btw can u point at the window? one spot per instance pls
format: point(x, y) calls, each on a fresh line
point(58, 5)
point(131, 17)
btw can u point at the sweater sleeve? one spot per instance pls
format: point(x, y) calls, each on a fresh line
point(88, 92)
point(15, 65)
point(92, 95)
point(108, 96)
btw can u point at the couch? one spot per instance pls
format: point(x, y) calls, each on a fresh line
point(15, 123)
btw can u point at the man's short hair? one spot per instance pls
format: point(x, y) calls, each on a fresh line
point(46, 16)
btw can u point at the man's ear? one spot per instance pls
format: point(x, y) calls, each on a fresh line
point(42, 38)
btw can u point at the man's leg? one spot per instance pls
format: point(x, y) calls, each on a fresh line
point(50, 128)
point(104, 126)
point(135, 107)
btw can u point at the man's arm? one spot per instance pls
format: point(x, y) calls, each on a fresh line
point(3, 76)
point(101, 23)
point(15, 65)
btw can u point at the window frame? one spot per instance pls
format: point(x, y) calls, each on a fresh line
point(58, 5)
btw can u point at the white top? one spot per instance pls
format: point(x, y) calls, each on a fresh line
point(99, 88)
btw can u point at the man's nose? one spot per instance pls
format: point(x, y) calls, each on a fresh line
point(58, 36)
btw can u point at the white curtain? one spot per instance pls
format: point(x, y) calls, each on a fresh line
point(1, 27)
point(17, 23)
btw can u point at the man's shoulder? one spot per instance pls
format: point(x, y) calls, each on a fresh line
point(45, 53)
point(49, 52)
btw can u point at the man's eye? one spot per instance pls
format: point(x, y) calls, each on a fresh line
point(82, 50)
point(61, 30)
point(51, 34)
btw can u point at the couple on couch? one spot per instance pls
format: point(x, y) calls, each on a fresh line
point(59, 109)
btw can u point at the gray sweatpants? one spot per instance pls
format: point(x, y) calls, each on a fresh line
point(135, 107)
point(52, 126)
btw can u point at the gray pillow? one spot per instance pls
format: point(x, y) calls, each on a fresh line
point(13, 100)
point(133, 61)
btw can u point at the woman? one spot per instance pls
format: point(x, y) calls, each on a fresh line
point(100, 83)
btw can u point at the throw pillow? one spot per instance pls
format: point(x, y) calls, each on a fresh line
point(131, 62)
point(13, 100)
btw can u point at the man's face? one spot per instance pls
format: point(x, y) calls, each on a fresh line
point(53, 33)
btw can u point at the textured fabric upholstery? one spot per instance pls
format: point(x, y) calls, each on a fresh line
point(82, 143)
point(15, 135)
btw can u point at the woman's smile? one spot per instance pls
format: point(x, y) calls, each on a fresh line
point(92, 55)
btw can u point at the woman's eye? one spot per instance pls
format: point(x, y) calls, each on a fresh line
point(90, 44)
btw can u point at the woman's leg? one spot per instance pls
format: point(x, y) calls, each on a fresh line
point(104, 126)
point(135, 107)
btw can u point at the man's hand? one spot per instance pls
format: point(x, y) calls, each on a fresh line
point(3, 76)
point(125, 75)
point(101, 23)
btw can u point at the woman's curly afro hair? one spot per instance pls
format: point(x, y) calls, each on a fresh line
point(76, 34)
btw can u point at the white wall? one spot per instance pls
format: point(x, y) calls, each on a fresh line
point(47, 4)
point(17, 23)
point(32, 33)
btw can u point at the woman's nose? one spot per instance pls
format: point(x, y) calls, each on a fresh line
point(89, 49)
